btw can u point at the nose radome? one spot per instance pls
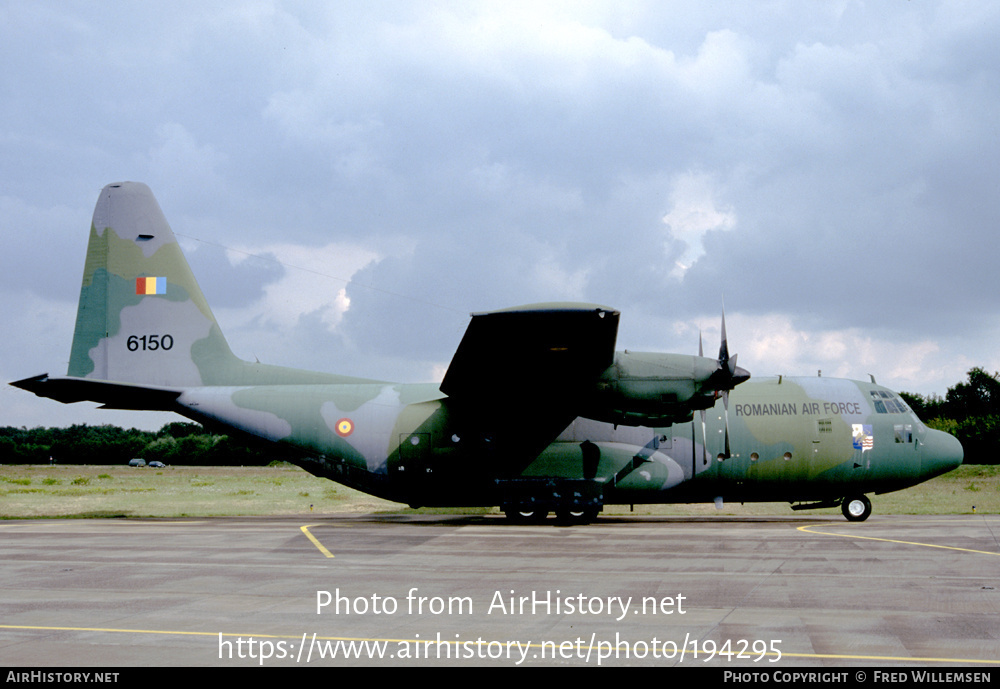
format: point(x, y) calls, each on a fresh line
point(941, 453)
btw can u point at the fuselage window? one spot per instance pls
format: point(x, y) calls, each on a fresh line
point(904, 433)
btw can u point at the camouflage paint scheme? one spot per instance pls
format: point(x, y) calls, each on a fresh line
point(536, 413)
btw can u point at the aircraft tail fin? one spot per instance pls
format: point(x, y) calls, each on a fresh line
point(142, 318)
point(144, 331)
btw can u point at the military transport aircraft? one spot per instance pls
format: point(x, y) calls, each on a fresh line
point(537, 411)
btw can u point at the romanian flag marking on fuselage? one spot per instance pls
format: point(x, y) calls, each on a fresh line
point(150, 285)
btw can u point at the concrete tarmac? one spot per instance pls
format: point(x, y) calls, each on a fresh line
point(785, 592)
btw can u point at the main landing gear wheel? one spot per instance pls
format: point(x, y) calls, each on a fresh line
point(857, 508)
point(584, 516)
point(526, 516)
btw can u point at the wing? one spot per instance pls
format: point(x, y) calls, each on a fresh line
point(549, 349)
point(520, 375)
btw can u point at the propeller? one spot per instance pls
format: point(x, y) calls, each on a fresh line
point(726, 377)
point(704, 431)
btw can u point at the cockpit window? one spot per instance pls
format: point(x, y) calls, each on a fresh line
point(886, 402)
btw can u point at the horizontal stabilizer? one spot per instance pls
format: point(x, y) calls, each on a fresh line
point(110, 394)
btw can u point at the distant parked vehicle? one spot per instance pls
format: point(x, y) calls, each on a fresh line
point(137, 462)
point(157, 465)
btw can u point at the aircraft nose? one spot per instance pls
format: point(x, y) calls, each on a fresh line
point(941, 453)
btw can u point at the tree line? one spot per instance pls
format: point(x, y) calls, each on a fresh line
point(970, 411)
point(175, 443)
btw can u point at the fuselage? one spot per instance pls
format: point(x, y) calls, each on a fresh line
point(791, 439)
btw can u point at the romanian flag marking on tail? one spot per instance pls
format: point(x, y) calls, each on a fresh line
point(151, 285)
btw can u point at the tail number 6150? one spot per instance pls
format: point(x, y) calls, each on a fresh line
point(149, 343)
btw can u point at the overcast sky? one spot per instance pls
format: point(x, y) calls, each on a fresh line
point(350, 180)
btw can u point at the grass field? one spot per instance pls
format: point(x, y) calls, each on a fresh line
point(120, 491)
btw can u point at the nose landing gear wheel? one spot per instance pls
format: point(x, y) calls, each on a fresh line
point(857, 508)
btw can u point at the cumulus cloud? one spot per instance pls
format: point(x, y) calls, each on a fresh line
point(693, 213)
point(308, 285)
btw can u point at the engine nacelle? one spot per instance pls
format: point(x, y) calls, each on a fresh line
point(654, 389)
